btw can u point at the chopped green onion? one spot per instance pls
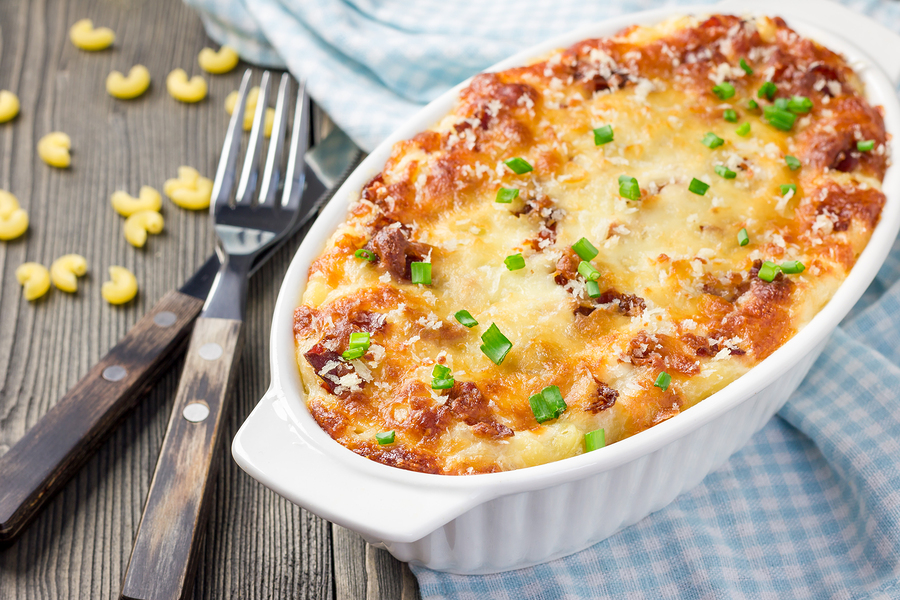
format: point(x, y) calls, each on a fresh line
point(360, 338)
point(768, 271)
point(788, 187)
point(353, 353)
point(792, 162)
point(730, 115)
point(385, 437)
point(698, 187)
point(518, 165)
point(359, 343)
point(629, 188)
point(593, 288)
point(711, 140)
point(778, 118)
point(743, 238)
point(603, 135)
point(724, 90)
point(865, 146)
point(496, 345)
point(725, 172)
point(441, 378)
point(781, 103)
point(514, 262)
point(553, 398)
point(663, 381)
point(465, 318)
point(587, 270)
point(440, 371)
point(585, 249)
point(799, 105)
point(768, 90)
point(506, 195)
point(743, 129)
point(792, 267)
point(746, 67)
point(752, 104)
point(421, 272)
point(365, 255)
point(442, 384)
point(594, 440)
point(540, 409)
point(549, 404)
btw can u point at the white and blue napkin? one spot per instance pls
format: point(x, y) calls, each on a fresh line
point(810, 508)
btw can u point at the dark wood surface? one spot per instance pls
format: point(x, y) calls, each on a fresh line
point(164, 557)
point(257, 545)
point(58, 445)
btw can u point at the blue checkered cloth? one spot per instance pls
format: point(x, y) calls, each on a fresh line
point(810, 508)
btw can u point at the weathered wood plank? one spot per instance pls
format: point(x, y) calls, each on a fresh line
point(257, 544)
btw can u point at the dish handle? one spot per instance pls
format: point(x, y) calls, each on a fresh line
point(314, 472)
point(880, 43)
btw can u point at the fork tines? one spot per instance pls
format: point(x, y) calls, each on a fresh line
point(291, 179)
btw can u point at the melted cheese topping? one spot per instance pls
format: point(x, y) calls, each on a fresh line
point(678, 293)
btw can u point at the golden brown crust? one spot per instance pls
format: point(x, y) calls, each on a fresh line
point(676, 293)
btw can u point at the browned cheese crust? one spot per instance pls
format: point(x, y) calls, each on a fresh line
point(678, 294)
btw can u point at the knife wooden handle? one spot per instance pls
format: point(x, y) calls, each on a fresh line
point(163, 559)
point(56, 447)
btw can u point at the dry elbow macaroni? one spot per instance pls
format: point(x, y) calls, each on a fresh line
point(249, 109)
point(65, 271)
point(138, 225)
point(53, 149)
point(148, 199)
point(9, 106)
point(218, 62)
point(121, 288)
point(86, 37)
point(189, 190)
point(126, 88)
point(180, 88)
point(13, 220)
point(34, 279)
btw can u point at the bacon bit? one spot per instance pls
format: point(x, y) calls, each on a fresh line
point(566, 267)
point(703, 348)
point(603, 399)
point(663, 352)
point(318, 357)
point(470, 406)
point(396, 252)
point(628, 304)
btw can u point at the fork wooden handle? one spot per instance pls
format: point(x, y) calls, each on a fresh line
point(165, 549)
point(63, 439)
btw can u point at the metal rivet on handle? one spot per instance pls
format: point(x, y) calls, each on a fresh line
point(165, 319)
point(114, 373)
point(195, 412)
point(210, 351)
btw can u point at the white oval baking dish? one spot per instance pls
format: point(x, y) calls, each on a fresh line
point(501, 521)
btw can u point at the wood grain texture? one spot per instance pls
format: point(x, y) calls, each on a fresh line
point(168, 538)
point(53, 449)
point(258, 545)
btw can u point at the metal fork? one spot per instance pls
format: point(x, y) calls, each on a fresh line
point(165, 549)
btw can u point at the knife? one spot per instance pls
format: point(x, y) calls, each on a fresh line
point(52, 451)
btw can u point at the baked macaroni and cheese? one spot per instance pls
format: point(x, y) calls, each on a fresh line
point(589, 245)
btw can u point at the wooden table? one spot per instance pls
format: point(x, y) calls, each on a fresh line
point(257, 545)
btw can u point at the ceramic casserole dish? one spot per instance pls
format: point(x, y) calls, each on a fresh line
point(500, 521)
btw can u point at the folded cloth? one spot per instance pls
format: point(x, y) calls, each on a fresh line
point(810, 508)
